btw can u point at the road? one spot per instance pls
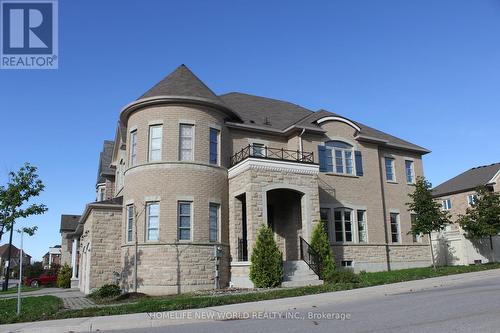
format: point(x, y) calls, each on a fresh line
point(463, 307)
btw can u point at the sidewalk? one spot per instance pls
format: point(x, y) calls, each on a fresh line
point(61, 293)
point(143, 320)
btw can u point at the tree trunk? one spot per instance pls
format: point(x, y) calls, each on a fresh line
point(9, 254)
point(432, 252)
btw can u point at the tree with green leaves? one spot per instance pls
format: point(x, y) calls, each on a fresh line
point(482, 218)
point(266, 270)
point(21, 187)
point(429, 217)
point(323, 252)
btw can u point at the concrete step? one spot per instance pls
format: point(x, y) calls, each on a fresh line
point(290, 284)
point(297, 268)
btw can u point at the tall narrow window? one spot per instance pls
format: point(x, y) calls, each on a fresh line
point(416, 238)
point(361, 215)
point(471, 199)
point(186, 142)
point(153, 220)
point(155, 138)
point(133, 148)
point(410, 173)
point(214, 146)
point(446, 204)
point(343, 225)
point(395, 231)
point(258, 150)
point(213, 221)
point(184, 220)
point(130, 222)
point(389, 169)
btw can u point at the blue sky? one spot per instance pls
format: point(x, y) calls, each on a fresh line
point(427, 71)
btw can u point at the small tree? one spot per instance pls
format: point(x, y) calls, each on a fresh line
point(21, 187)
point(64, 276)
point(266, 270)
point(428, 214)
point(482, 219)
point(324, 256)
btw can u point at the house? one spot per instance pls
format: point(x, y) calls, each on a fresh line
point(192, 175)
point(455, 196)
point(14, 255)
point(52, 258)
point(67, 229)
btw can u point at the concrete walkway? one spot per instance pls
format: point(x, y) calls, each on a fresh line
point(145, 320)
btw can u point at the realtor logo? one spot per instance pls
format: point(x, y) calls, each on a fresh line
point(29, 34)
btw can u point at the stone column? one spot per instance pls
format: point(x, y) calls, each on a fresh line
point(74, 263)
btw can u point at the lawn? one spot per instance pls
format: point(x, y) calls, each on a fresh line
point(13, 290)
point(52, 307)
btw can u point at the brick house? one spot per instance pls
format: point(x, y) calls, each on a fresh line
point(456, 195)
point(193, 174)
point(15, 255)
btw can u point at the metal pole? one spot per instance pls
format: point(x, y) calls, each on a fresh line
point(20, 277)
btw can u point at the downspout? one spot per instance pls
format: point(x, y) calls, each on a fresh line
point(384, 209)
point(301, 145)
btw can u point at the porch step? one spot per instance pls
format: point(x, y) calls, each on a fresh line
point(296, 273)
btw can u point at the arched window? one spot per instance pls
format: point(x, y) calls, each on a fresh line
point(340, 157)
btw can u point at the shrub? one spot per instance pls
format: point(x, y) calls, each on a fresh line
point(324, 258)
point(106, 291)
point(344, 276)
point(64, 277)
point(266, 270)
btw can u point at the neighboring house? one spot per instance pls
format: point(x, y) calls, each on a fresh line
point(456, 195)
point(195, 175)
point(14, 255)
point(53, 257)
point(67, 229)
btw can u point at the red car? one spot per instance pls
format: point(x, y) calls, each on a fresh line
point(42, 279)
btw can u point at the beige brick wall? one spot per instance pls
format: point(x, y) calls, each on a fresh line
point(66, 247)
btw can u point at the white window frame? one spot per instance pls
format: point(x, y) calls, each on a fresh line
point(179, 215)
point(412, 171)
point(343, 156)
point(353, 230)
point(347, 264)
point(217, 225)
point(151, 138)
point(446, 204)
point(365, 225)
point(471, 199)
point(133, 148)
point(258, 145)
point(393, 169)
point(398, 227)
point(130, 223)
point(181, 138)
point(148, 216)
point(218, 131)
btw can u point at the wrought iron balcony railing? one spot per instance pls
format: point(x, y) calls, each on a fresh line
point(281, 154)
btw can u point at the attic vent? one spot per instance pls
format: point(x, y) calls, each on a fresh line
point(267, 121)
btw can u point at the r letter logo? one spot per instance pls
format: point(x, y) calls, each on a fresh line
point(29, 34)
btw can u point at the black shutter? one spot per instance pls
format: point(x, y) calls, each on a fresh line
point(359, 163)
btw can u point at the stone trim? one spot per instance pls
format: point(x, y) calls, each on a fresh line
point(252, 163)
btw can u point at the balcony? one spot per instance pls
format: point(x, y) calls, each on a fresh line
point(268, 153)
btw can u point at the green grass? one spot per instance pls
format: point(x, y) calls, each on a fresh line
point(13, 290)
point(191, 301)
point(32, 309)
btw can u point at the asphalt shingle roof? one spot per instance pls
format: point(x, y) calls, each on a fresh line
point(69, 222)
point(105, 162)
point(467, 180)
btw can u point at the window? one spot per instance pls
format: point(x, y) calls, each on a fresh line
point(133, 148)
point(213, 222)
point(395, 231)
point(214, 146)
point(389, 169)
point(446, 204)
point(101, 191)
point(155, 138)
point(361, 215)
point(346, 263)
point(186, 142)
point(416, 238)
point(343, 225)
point(153, 220)
point(410, 174)
point(258, 150)
point(130, 222)
point(324, 214)
point(471, 199)
point(184, 223)
point(342, 157)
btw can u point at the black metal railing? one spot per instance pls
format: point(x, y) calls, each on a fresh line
point(309, 256)
point(272, 154)
point(242, 249)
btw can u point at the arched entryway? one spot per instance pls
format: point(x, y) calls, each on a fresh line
point(284, 217)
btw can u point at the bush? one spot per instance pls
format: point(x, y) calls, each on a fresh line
point(64, 277)
point(34, 270)
point(266, 270)
point(106, 291)
point(324, 258)
point(344, 276)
